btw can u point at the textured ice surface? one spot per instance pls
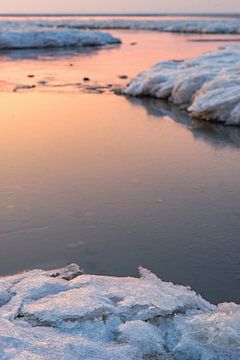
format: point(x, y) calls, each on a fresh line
point(207, 86)
point(20, 38)
point(196, 26)
point(66, 315)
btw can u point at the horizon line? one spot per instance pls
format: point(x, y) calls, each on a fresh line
point(164, 14)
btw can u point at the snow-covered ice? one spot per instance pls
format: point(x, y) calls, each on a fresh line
point(18, 38)
point(207, 86)
point(193, 26)
point(67, 315)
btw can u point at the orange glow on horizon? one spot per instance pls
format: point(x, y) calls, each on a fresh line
point(121, 6)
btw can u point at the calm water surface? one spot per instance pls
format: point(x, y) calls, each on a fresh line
point(113, 183)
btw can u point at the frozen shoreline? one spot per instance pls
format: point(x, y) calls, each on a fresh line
point(193, 26)
point(187, 26)
point(66, 315)
point(208, 86)
point(53, 38)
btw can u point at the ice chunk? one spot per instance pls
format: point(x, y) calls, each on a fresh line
point(65, 315)
point(210, 336)
point(146, 338)
point(53, 38)
point(207, 86)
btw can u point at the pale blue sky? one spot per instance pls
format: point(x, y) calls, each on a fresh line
point(123, 6)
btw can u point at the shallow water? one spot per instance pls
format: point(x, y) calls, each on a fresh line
point(114, 183)
point(63, 67)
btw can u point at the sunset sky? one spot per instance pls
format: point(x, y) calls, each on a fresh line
point(115, 6)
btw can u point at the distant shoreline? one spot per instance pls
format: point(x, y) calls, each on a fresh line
point(122, 14)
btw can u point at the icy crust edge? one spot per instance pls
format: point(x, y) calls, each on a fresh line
point(64, 314)
point(208, 86)
point(192, 26)
point(53, 38)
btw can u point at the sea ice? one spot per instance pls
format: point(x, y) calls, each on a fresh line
point(194, 25)
point(229, 25)
point(207, 86)
point(20, 38)
point(66, 315)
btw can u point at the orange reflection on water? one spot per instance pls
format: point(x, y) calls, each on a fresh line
point(104, 66)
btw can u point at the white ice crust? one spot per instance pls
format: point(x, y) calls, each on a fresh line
point(20, 38)
point(65, 315)
point(207, 86)
point(194, 25)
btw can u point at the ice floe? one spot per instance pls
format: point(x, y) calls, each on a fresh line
point(66, 315)
point(193, 26)
point(53, 38)
point(207, 86)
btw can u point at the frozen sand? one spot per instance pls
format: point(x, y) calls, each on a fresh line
point(62, 314)
point(207, 86)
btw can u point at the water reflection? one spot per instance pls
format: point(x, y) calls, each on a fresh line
point(215, 134)
point(94, 179)
point(52, 53)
